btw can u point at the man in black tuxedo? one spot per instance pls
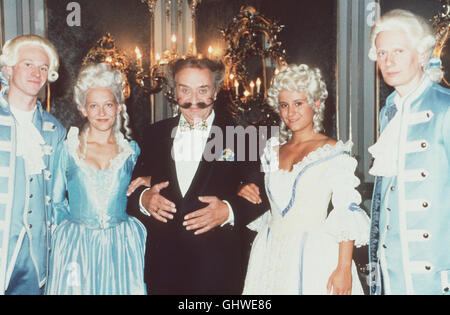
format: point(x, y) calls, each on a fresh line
point(196, 240)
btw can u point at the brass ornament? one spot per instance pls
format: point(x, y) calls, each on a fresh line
point(105, 51)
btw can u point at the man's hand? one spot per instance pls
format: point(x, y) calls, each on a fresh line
point(207, 218)
point(251, 193)
point(158, 206)
point(140, 181)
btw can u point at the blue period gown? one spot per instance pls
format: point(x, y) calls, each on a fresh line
point(96, 247)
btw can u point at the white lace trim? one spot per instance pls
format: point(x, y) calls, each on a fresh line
point(271, 157)
point(73, 142)
point(346, 225)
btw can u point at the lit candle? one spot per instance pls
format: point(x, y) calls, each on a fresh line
point(236, 86)
point(252, 87)
point(174, 42)
point(139, 57)
point(210, 51)
point(258, 85)
point(246, 94)
point(231, 76)
point(158, 58)
point(191, 43)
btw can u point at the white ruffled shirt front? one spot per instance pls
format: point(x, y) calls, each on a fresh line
point(29, 141)
point(385, 150)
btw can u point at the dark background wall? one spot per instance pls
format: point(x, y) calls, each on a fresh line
point(127, 22)
point(309, 37)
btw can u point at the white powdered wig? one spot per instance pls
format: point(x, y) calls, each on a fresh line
point(419, 33)
point(104, 76)
point(303, 79)
point(10, 53)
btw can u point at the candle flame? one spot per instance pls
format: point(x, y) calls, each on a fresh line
point(138, 53)
point(173, 39)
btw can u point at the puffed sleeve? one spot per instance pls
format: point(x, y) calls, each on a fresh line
point(60, 205)
point(347, 221)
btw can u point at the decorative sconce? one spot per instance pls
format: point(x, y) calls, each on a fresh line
point(105, 51)
point(252, 39)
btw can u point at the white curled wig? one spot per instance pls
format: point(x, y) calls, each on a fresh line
point(10, 53)
point(418, 31)
point(104, 76)
point(303, 79)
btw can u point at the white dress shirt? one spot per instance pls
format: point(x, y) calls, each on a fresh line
point(187, 150)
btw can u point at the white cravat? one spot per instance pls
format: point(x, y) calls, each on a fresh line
point(29, 141)
point(385, 150)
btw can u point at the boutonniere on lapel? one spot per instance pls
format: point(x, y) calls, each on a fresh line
point(227, 155)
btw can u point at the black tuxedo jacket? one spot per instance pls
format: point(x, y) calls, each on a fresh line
point(177, 261)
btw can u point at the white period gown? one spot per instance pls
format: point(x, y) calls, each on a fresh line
point(297, 245)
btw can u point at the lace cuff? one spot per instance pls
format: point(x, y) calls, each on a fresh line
point(349, 225)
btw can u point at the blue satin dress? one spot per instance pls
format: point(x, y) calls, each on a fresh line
point(96, 247)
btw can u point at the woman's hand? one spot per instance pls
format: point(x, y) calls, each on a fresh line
point(137, 182)
point(340, 281)
point(251, 193)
